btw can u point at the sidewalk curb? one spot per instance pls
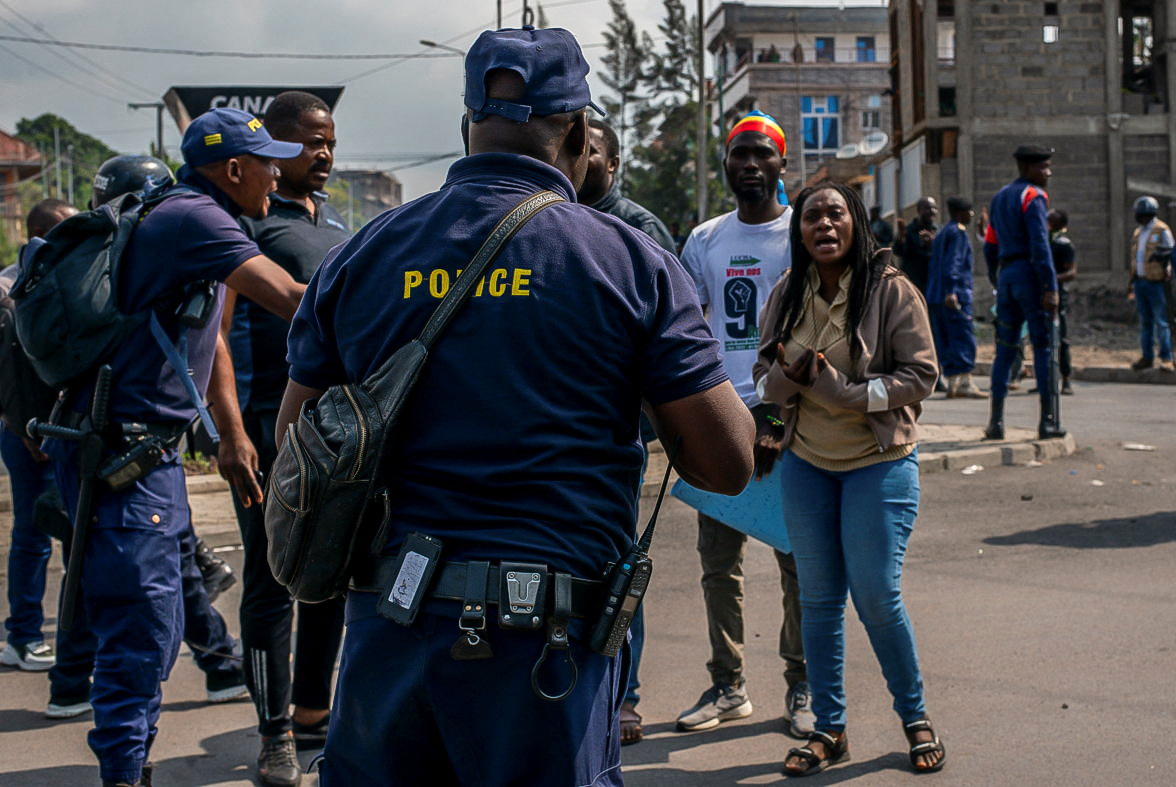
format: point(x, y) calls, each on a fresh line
point(1018, 454)
point(1104, 374)
point(203, 484)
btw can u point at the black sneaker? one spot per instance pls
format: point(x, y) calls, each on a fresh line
point(225, 686)
point(144, 779)
point(217, 575)
point(311, 736)
point(277, 764)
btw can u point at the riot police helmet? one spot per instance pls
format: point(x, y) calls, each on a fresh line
point(1146, 206)
point(125, 174)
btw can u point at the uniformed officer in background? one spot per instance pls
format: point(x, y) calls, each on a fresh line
point(521, 443)
point(214, 651)
point(298, 230)
point(131, 583)
point(1017, 245)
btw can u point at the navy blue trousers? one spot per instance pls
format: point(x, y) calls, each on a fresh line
point(131, 598)
point(205, 633)
point(407, 714)
point(955, 341)
point(30, 550)
point(1018, 302)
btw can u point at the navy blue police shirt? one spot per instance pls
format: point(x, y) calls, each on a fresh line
point(190, 236)
point(297, 241)
point(521, 439)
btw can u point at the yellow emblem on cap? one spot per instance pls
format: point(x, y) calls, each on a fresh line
point(212, 139)
point(254, 124)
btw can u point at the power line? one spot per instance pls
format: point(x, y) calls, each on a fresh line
point(90, 61)
point(87, 88)
point(214, 53)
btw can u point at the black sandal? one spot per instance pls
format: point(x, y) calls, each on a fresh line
point(926, 747)
point(836, 751)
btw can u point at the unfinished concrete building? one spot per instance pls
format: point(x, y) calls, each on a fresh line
point(1093, 79)
point(820, 71)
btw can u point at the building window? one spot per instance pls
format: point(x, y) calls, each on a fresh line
point(865, 49)
point(821, 122)
point(1049, 34)
point(825, 50)
point(871, 120)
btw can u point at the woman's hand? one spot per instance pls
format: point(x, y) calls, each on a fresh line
point(799, 371)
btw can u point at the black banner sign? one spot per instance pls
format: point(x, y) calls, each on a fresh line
point(185, 103)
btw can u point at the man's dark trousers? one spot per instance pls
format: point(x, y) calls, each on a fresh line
point(267, 612)
point(1018, 301)
point(30, 550)
point(955, 341)
point(412, 715)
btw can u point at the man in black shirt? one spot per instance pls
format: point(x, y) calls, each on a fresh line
point(1066, 266)
point(914, 242)
point(297, 232)
point(880, 228)
point(601, 191)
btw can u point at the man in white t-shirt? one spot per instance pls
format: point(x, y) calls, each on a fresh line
point(735, 259)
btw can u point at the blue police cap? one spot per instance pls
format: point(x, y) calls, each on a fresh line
point(222, 133)
point(550, 62)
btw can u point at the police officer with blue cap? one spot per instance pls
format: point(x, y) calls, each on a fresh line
point(521, 445)
point(131, 582)
point(1016, 245)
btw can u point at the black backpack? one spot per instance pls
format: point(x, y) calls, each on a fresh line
point(66, 304)
point(22, 394)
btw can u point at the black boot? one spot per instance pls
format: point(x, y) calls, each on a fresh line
point(1050, 425)
point(217, 575)
point(995, 429)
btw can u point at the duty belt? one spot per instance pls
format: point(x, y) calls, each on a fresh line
point(451, 584)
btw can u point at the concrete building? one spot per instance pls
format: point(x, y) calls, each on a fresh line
point(820, 71)
point(1094, 79)
point(370, 191)
point(19, 161)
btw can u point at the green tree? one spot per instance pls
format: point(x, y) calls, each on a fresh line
point(662, 164)
point(86, 155)
point(627, 65)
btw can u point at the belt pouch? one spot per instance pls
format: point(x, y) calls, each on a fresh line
point(522, 595)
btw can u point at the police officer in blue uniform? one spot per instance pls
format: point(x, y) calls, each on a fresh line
point(521, 443)
point(1016, 244)
point(131, 583)
point(205, 632)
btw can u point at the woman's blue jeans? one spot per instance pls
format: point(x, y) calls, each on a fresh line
point(849, 533)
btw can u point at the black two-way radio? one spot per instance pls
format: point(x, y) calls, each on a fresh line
point(627, 580)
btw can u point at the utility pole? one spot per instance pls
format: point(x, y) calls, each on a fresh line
point(57, 158)
point(499, 15)
point(69, 181)
point(158, 106)
point(701, 141)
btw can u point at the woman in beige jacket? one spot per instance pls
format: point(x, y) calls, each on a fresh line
point(846, 352)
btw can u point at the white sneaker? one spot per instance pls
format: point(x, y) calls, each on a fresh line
point(67, 709)
point(31, 656)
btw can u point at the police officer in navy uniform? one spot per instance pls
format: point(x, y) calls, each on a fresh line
point(131, 583)
point(298, 230)
point(521, 443)
point(214, 651)
point(1016, 244)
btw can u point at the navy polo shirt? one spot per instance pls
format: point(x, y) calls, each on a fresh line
point(297, 241)
point(521, 439)
point(188, 237)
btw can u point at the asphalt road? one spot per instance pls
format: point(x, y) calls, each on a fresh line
point(1044, 606)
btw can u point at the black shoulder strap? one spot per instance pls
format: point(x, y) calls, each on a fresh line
point(460, 293)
